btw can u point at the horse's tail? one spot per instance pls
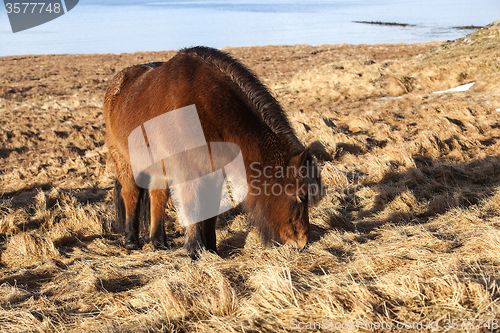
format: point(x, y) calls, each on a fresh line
point(268, 107)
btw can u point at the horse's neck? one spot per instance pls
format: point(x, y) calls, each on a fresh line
point(269, 150)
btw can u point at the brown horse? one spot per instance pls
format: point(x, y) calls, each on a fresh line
point(234, 107)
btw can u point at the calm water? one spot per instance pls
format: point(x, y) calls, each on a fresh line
point(112, 26)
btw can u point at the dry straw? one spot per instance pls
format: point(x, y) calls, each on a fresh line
point(408, 232)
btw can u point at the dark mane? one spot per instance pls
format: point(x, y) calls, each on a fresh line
point(269, 109)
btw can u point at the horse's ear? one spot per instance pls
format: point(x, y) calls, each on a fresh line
point(304, 156)
point(305, 164)
point(300, 159)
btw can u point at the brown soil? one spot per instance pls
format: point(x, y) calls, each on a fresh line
point(409, 230)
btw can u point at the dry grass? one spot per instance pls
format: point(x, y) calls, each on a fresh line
point(408, 232)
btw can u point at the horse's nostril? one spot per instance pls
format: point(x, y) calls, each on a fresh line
point(301, 243)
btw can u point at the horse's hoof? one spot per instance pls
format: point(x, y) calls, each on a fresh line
point(159, 243)
point(195, 255)
point(159, 246)
point(131, 246)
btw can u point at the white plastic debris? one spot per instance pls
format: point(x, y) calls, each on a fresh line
point(386, 98)
point(464, 87)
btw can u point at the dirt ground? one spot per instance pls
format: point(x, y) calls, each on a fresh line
point(409, 231)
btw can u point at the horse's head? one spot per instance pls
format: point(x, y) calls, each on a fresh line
point(294, 202)
point(284, 201)
point(294, 226)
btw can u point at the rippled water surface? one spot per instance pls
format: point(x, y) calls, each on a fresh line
point(112, 26)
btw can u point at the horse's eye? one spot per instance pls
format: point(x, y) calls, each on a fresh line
point(302, 173)
point(302, 198)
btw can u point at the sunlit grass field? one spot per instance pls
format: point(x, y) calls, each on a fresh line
point(408, 234)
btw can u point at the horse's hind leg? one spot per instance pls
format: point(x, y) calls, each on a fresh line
point(158, 199)
point(130, 193)
point(119, 222)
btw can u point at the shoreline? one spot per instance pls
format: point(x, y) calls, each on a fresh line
point(227, 47)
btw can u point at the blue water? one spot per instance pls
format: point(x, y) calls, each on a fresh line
point(112, 26)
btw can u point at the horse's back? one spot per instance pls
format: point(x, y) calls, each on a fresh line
point(142, 92)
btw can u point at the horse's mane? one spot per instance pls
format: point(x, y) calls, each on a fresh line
point(267, 106)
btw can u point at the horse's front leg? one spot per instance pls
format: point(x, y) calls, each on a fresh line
point(208, 228)
point(130, 194)
point(201, 236)
point(194, 240)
